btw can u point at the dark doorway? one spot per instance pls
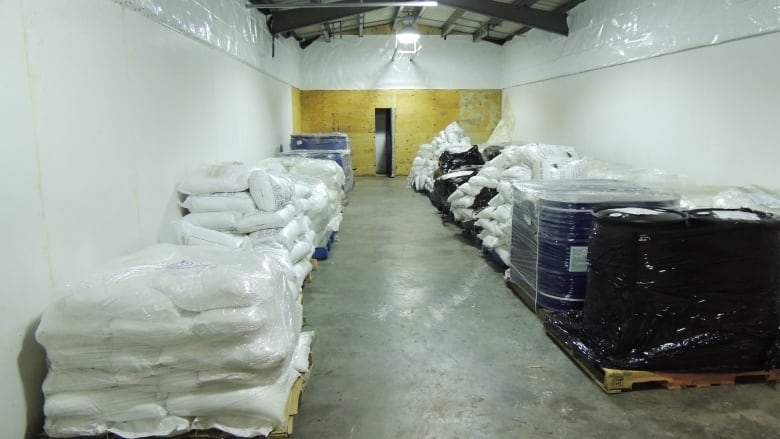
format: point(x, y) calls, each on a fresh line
point(385, 144)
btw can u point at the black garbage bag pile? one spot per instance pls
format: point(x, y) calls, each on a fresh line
point(445, 184)
point(455, 168)
point(450, 161)
point(697, 294)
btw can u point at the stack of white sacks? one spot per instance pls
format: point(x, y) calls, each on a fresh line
point(515, 163)
point(174, 338)
point(242, 206)
point(426, 162)
point(326, 180)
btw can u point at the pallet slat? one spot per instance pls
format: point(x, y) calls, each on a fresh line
point(617, 381)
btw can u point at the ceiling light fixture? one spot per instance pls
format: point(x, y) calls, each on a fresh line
point(407, 34)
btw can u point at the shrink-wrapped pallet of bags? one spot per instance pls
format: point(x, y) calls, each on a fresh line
point(326, 181)
point(252, 206)
point(173, 338)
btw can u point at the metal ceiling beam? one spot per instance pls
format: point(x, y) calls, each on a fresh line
point(562, 8)
point(448, 25)
point(550, 21)
point(283, 21)
point(337, 5)
point(495, 22)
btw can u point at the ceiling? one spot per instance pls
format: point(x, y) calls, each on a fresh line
point(497, 21)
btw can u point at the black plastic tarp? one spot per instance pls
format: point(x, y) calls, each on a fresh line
point(698, 295)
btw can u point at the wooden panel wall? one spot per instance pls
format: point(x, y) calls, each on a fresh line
point(296, 109)
point(420, 115)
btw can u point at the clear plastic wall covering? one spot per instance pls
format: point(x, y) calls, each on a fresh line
point(354, 63)
point(610, 32)
point(229, 26)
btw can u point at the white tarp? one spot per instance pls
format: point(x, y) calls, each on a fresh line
point(611, 32)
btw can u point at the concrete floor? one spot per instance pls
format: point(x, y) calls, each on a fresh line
point(419, 337)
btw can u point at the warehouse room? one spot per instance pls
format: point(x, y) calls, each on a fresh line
point(375, 219)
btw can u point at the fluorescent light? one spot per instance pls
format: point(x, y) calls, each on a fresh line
point(407, 34)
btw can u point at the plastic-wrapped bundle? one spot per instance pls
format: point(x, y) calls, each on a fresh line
point(320, 141)
point(446, 184)
point(324, 180)
point(341, 158)
point(423, 166)
point(451, 160)
point(131, 344)
point(664, 294)
point(547, 162)
point(218, 177)
point(272, 210)
point(752, 197)
point(551, 223)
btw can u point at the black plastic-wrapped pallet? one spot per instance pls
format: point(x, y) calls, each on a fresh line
point(669, 295)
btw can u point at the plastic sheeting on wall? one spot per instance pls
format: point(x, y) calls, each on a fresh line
point(229, 26)
point(610, 32)
point(365, 63)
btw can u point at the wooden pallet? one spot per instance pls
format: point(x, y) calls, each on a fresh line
point(617, 381)
point(526, 298)
point(293, 405)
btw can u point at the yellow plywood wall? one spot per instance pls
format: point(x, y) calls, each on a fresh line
point(420, 115)
point(296, 109)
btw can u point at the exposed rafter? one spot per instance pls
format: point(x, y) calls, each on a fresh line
point(562, 8)
point(283, 21)
point(550, 21)
point(495, 22)
point(449, 25)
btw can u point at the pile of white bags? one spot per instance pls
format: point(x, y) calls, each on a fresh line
point(496, 223)
point(507, 166)
point(243, 206)
point(174, 338)
point(427, 160)
point(516, 163)
point(326, 181)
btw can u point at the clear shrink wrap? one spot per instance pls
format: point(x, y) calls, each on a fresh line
point(551, 223)
point(692, 291)
point(126, 346)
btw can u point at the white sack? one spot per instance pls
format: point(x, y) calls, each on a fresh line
point(265, 403)
point(302, 250)
point(270, 191)
point(220, 221)
point(189, 234)
point(220, 177)
point(239, 202)
point(144, 428)
point(266, 220)
point(301, 358)
point(111, 405)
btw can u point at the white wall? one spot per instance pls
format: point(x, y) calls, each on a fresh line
point(711, 113)
point(354, 63)
point(101, 111)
